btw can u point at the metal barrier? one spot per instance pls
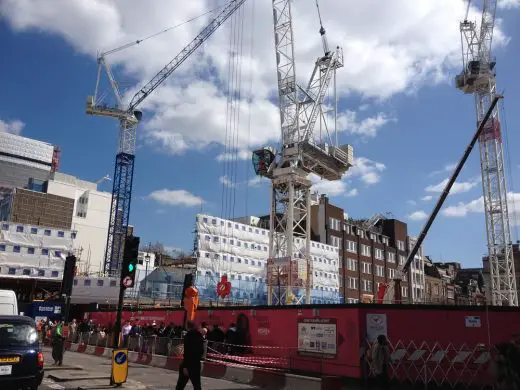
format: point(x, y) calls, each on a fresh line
point(451, 365)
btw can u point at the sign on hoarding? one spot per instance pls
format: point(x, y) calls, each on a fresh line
point(376, 325)
point(473, 322)
point(317, 337)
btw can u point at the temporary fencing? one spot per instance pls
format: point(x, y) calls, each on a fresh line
point(451, 365)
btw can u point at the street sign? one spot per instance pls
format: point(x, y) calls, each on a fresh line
point(127, 282)
point(119, 366)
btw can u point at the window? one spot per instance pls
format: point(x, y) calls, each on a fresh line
point(205, 219)
point(41, 272)
point(404, 291)
point(12, 271)
point(373, 237)
point(73, 235)
point(390, 257)
point(57, 253)
point(75, 283)
point(335, 241)
point(113, 283)
point(5, 226)
point(400, 245)
point(352, 283)
point(30, 251)
point(26, 272)
point(365, 250)
point(402, 260)
point(45, 252)
point(391, 273)
point(334, 224)
point(380, 271)
point(47, 232)
point(61, 233)
point(367, 285)
point(215, 239)
point(361, 233)
point(352, 264)
point(55, 274)
point(378, 253)
point(213, 221)
point(81, 214)
point(2, 247)
point(385, 240)
point(16, 249)
point(366, 267)
point(100, 282)
point(19, 229)
point(351, 246)
point(86, 282)
point(34, 230)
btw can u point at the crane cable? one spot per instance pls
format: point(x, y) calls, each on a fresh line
point(139, 41)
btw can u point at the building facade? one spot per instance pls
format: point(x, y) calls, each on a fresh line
point(416, 273)
point(33, 252)
point(370, 251)
point(25, 163)
point(89, 218)
point(240, 251)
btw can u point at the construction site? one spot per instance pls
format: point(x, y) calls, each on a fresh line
point(303, 269)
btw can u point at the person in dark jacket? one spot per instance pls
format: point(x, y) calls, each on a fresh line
point(193, 351)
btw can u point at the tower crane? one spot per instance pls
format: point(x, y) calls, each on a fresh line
point(129, 117)
point(301, 154)
point(478, 78)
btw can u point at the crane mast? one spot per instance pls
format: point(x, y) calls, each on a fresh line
point(129, 119)
point(289, 265)
point(478, 78)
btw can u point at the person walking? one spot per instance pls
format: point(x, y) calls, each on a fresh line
point(381, 357)
point(193, 350)
point(58, 344)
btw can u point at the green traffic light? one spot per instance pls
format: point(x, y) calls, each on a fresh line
point(130, 267)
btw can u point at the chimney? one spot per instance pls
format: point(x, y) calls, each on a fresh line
point(324, 199)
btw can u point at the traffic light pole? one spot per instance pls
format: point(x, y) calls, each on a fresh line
point(117, 326)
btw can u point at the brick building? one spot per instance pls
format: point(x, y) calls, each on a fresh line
point(370, 250)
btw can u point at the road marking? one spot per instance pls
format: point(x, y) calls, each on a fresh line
point(55, 386)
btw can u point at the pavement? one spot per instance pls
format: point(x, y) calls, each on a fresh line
point(88, 372)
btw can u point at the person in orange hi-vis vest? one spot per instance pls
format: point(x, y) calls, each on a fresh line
point(191, 302)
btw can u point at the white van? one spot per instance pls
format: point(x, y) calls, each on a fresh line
point(8, 303)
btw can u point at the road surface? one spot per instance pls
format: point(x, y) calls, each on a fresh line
point(140, 376)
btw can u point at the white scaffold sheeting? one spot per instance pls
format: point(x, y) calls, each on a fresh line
point(25, 147)
point(234, 248)
point(33, 250)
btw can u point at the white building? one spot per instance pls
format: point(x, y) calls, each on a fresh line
point(240, 251)
point(90, 219)
point(95, 289)
point(33, 252)
point(416, 273)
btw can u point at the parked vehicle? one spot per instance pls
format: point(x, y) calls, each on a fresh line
point(21, 359)
point(8, 303)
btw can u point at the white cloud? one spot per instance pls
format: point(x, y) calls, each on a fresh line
point(418, 215)
point(257, 181)
point(367, 170)
point(457, 188)
point(227, 181)
point(427, 198)
point(507, 4)
point(462, 209)
point(368, 127)
point(176, 198)
point(411, 202)
point(383, 58)
point(332, 188)
point(236, 155)
point(13, 127)
point(446, 168)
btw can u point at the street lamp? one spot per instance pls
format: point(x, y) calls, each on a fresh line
point(147, 261)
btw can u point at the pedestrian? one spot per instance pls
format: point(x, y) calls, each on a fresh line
point(381, 359)
point(193, 351)
point(58, 344)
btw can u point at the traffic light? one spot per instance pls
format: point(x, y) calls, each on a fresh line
point(129, 265)
point(68, 275)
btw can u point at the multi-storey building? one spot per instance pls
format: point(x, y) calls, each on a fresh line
point(370, 251)
point(25, 163)
point(240, 251)
point(416, 273)
point(438, 283)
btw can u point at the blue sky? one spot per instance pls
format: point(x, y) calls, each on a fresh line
point(398, 107)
